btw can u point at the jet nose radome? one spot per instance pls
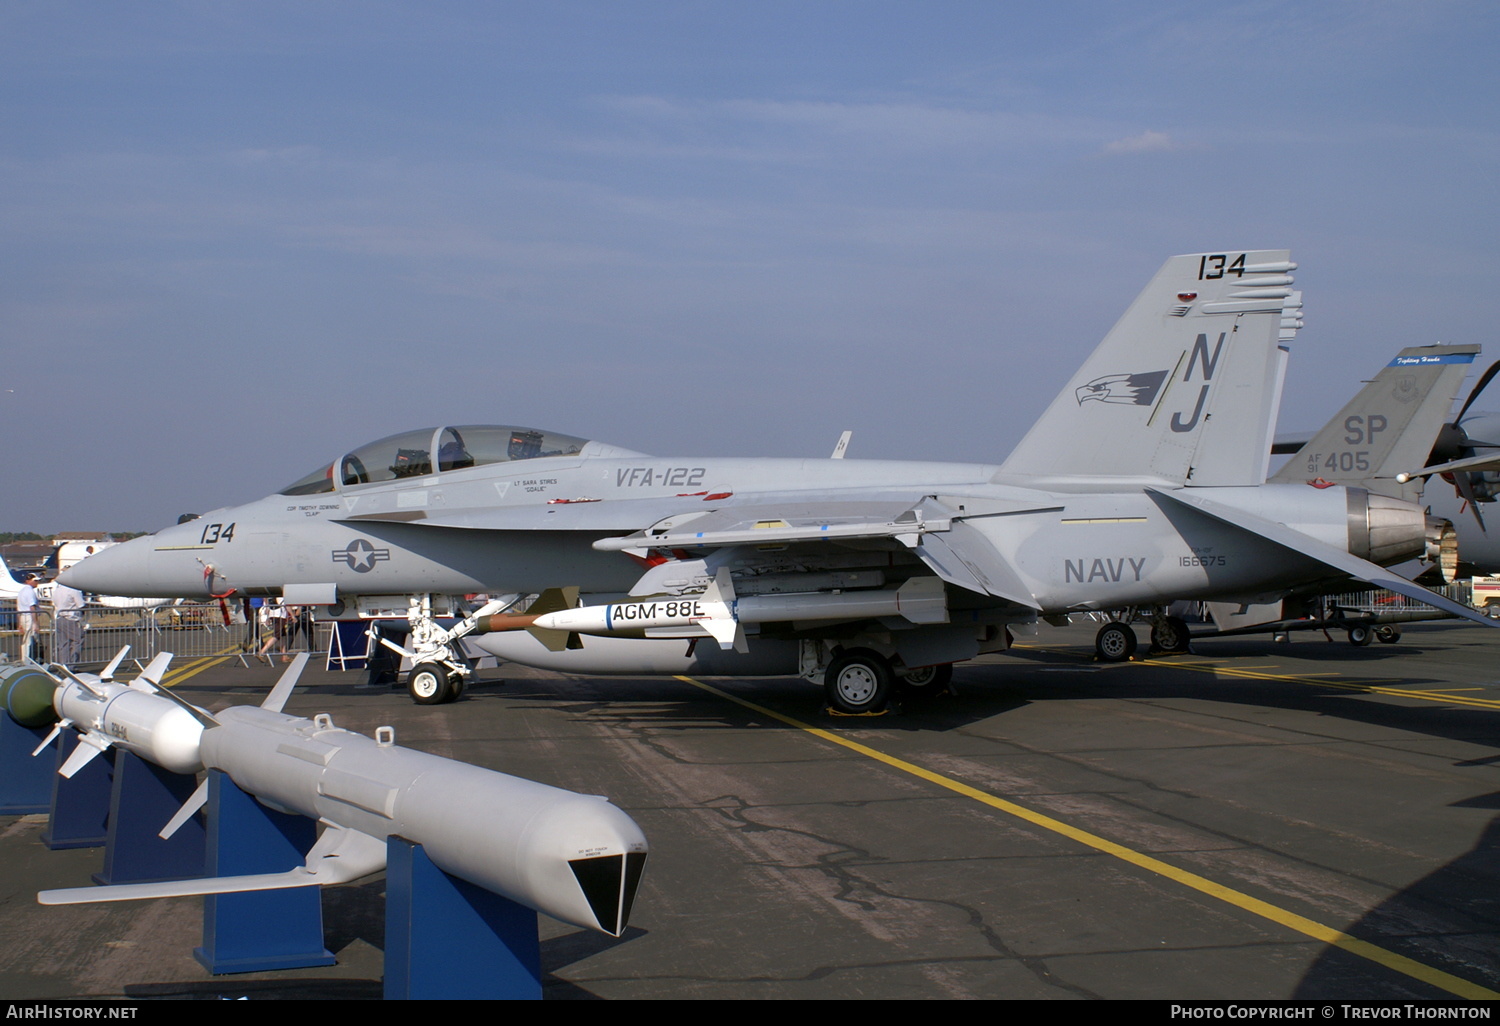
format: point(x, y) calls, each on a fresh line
point(118, 570)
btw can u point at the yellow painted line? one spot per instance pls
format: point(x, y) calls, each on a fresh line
point(176, 676)
point(1226, 670)
point(1301, 924)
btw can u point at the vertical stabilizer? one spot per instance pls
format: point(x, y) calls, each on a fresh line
point(1389, 427)
point(1183, 388)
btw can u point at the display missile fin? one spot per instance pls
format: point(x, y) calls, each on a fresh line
point(90, 747)
point(108, 673)
point(57, 728)
point(91, 686)
point(196, 801)
point(340, 856)
point(726, 630)
point(283, 689)
point(155, 670)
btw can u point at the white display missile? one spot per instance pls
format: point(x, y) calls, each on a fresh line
point(575, 857)
point(720, 614)
point(138, 717)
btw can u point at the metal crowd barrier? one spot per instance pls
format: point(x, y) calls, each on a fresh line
point(188, 630)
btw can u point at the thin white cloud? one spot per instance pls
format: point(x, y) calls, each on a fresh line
point(1147, 142)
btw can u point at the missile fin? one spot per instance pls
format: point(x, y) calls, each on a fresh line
point(725, 630)
point(721, 588)
point(155, 670)
point(56, 730)
point(298, 877)
point(90, 747)
point(554, 599)
point(108, 673)
point(196, 801)
point(552, 640)
point(90, 686)
point(283, 689)
point(343, 854)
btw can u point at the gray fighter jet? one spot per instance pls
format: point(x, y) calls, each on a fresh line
point(1143, 482)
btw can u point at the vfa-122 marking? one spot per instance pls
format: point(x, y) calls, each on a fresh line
point(661, 477)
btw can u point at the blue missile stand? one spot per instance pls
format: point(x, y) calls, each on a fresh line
point(80, 803)
point(25, 783)
point(447, 938)
point(144, 799)
point(254, 931)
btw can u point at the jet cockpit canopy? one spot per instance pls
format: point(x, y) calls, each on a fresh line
point(428, 450)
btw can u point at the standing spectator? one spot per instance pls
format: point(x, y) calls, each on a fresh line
point(67, 624)
point(26, 611)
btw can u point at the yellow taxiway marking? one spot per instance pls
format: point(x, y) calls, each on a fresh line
point(1319, 680)
point(1291, 920)
point(196, 666)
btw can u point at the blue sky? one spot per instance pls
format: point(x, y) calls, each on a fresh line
point(237, 239)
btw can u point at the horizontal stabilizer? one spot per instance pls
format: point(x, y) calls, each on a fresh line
point(1338, 559)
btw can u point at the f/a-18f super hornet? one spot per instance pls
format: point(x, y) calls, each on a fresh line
point(1142, 483)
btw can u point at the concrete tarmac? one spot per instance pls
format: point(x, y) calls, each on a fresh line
point(1305, 820)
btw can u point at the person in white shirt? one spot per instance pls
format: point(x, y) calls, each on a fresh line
point(26, 612)
point(67, 624)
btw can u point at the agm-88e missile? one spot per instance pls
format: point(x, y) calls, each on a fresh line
point(719, 613)
point(575, 857)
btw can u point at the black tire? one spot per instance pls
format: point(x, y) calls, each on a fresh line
point(859, 682)
point(1359, 637)
point(1388, 634)
point(926, 680)
point(427, 684)
point(1171, 635)
point(1115, 642)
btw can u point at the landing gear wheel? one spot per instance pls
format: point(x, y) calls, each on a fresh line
point(1171, 635)
point(1359, 637)
point(1115, 642)
point(428, 684)
point(1388, 634)
point(926, 681)
point(858, 683)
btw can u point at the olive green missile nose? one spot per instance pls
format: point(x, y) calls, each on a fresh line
point(26, 693)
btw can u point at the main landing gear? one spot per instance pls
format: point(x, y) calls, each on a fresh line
point(859, 682)
point(1116, 641)
point(862, 681)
